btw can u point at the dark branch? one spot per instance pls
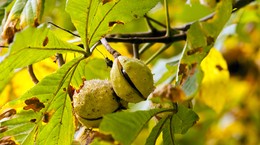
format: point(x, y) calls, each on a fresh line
point(136, 50)
point(138, 40)
point(159, 36)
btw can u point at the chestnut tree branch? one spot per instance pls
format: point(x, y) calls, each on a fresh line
point(159, 36)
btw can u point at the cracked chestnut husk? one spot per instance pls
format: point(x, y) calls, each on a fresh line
point(131, 79)
point(95, 99)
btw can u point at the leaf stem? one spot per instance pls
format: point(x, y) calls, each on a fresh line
point(64, 29)
point(136, 50)
point(32, 74)
point(145, 47)
point(168, 23)
point(109, 48)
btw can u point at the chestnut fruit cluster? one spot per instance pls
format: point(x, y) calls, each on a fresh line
point(131, 81)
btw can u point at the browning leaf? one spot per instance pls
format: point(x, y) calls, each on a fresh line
point(112, 23)
point(46, 117)
point(210, 40)
point(33, 104)
point(91, 135)
point(7, 140)
point(196, 50)
point(9, 31)
point(8, 113)
point(106, 1)
point(169, 92)
point(33, 120)
point(45, 41)
point(219, 67)
point(3, 129)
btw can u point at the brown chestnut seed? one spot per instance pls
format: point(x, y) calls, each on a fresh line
point(95, 99)
point(131, 79)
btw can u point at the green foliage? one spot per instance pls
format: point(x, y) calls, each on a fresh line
point(86, 70)
point(200, 39)
point(42, 44)
point(125, 126)
point(43, 114)
point(94, 19)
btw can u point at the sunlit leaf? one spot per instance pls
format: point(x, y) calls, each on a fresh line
point(43, 114)
point(184, 119)
point(31, 13)
point(214, 83)
point(42, 44)
point(151, 140)
point(171, 73)
point(125, 126)
point(90, 69)
point(95, 18)
point(192, 83)
point(168, 133)
point(100, 142)
point(200, 39)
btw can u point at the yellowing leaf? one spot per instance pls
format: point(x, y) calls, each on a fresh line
point(216, 76)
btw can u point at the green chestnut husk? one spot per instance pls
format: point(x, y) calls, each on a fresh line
point(131, 79)
point(95, 99)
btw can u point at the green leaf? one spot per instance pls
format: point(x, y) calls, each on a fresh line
point(183, 119)
point(30, 46)
point(200, 39)
point(151, 140)
point(192, 83)
point(214, 26)
point(125, 126)
point(90, 69)
point(168, 133)
point(95, 18)
point(170, 73)
point(97, 141)
point(44, 113)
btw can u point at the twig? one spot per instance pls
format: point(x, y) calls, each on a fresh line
point(136, 50)
point(150, 36)
point(152, 28)
point(145, 47)
point(32, 75)
point(2, 46)
point(162, 39)
point(109, 48)
point(155, 21)
point(164, 47)
point(241, 4)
